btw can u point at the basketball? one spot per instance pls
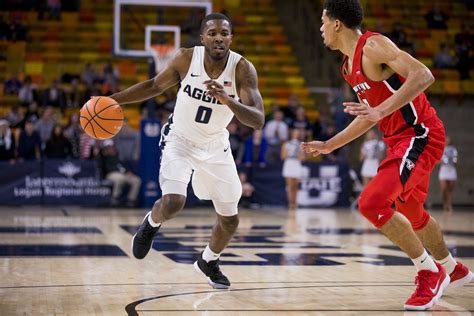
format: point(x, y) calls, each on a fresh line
point(101, 117)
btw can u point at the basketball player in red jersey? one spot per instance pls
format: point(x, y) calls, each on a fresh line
point(389, 84)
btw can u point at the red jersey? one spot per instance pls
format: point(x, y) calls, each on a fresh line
point(409, 120)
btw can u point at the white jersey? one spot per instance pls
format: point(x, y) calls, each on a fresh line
point(198, 117)
point(447, 170)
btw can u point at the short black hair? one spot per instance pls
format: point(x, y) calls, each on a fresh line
point(215, 16)
point(349, 12)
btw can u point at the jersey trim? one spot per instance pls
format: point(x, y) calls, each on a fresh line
point(408, 111)
point(416, 148)
point(165, 130)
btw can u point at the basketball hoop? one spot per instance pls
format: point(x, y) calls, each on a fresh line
point(162, 53)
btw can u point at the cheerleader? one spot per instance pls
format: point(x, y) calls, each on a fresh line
point(371, 153)
point(292, 155)
point(447, 174)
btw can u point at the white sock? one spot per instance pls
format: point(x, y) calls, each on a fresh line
point(448, 263)
point(424, 262)
point(209, 255)
point(152, 222)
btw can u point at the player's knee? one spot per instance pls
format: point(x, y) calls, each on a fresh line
point(171, 204)
point(376, 208)
point(229, 223)
point(421, 222)
point(415, 212)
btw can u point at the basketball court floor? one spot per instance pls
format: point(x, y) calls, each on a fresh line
point(70, 261)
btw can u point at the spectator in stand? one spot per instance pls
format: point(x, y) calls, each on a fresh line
point(109, 89)
point(7, 142)
point(335, 97)
point(192, 27)
point(15, 116)
point(29, 143)
point(73, 132)
point(45, 125)
point(276, 132)
point(318, 128)
point(87, 147)
point(73, 94)
point(18, 31)
point(273, 108)
point(255, 150)
point(92, 90)
point(54, 9)
point(31, 114)
point(400, 38)
point(115, 171)
point(12, 86)
point(326, 134)
point(247, 191)
point(55, 96)
point(464, 42)
point(236, 142)
point(442, 59)
point(58, 146)
point(302, 124)
point(290, 111)
point(127, 142)
point(111, 74)
point(28, 92)
point(4, 29)
point(89, 75)
point(40, 8)
point(436, 19)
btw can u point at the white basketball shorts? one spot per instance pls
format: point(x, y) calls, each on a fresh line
point(212, 167)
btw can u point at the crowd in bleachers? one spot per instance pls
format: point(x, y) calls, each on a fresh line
point(45, 122)
point(453, 53)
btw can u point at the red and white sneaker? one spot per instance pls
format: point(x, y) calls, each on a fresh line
point(460, 276)
point(429, 288)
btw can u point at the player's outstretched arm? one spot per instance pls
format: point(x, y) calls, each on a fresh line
point(381, 50)
point(250, 112)
point(355, 129)
point(144, 90)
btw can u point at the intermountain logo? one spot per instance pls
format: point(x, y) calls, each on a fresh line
point(69, 169)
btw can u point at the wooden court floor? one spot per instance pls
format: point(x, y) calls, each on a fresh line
point(70, 261)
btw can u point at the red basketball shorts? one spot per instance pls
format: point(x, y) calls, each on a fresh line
point(403, 176)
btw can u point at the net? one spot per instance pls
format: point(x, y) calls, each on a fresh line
point(162, 53)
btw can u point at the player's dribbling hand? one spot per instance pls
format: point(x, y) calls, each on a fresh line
point(315, 148)
point(363, 111)
point(216, 90)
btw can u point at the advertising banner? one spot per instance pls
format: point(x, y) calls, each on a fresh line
point(53, 182)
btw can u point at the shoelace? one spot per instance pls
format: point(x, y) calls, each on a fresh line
point(214, 266)
point(421, 281)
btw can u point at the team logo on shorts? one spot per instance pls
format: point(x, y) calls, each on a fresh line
point(410, 164)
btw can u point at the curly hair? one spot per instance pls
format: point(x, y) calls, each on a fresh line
point(349, 12)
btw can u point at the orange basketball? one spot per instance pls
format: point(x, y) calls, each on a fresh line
point(101, 117)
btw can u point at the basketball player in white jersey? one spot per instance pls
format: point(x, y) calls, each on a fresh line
point(215, 84)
